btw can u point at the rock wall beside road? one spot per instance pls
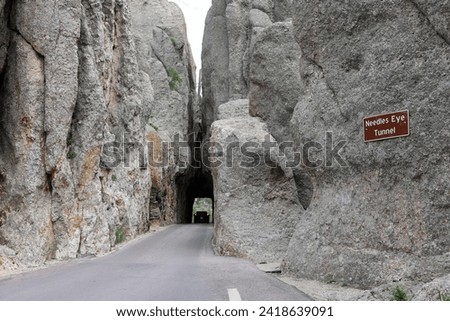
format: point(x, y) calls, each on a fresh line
point(385, 217)
point(79, 79)
point(375, 212)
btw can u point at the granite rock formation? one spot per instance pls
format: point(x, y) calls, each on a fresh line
point(384, 216)
point(375, 212)
point(231, 29)
point(92, 92)
point(256, 208)
point(83, 89)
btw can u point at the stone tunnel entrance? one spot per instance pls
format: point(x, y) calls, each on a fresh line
point(197, 184)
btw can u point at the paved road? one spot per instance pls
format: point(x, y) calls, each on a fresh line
point(175, 264)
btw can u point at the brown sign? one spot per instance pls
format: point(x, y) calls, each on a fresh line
point(386, 126)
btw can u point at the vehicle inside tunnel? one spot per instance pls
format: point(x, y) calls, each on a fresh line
point(202, 211)
point(195, 186)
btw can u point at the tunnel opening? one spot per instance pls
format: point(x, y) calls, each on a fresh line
point(196, 182)
point(203, 211)
point(197, 185)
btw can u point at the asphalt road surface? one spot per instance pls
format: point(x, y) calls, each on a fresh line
point(175, 264)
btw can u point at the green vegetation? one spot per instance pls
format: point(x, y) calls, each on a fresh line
point(175, 79)
point(114, 178)
point(202, 205)
point(444, 297)
point(71, 154)
point(70, 140)
point(160, 196)
point(120, 235)
point(398, 294)
point(174, 41)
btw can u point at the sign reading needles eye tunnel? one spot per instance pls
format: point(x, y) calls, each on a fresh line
point(386, 126)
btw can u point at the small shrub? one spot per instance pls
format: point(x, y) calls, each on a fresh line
point(114, 178)
point(398, 294)
point(174, 41)
point(175, 79)
point(120, 236)
point(444, 297)
point(70, 140)
point(71, 154)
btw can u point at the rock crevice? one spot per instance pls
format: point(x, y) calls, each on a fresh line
point(443, 34)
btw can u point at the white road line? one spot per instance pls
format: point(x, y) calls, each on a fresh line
point(234, 295)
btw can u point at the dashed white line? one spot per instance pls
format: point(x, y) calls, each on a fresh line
point(233, 295)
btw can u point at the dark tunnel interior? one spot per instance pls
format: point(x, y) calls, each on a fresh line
point(199, 184)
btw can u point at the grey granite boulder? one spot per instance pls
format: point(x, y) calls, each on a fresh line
point(255, 205)
point(233, 109)
point(275, 82)
point(383, 214)
point(231, 29)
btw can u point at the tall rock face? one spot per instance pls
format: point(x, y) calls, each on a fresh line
point(165, 56)
point(4, 32)
point(275, 82)
point(164, 52)
point(375, 212)
point(256, 207)
point(385, 215)
point(255, 203)
point(76, 101)
point(231, 30)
